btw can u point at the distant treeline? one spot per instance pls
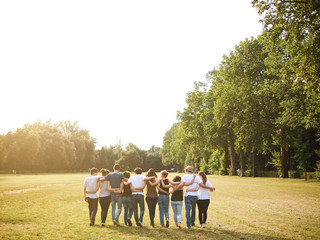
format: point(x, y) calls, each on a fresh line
point(260, 110)
point(64, 146)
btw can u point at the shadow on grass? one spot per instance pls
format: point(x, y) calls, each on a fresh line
point(173, 233)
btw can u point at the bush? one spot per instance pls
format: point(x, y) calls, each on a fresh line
point(295, 174)
point(317, 172)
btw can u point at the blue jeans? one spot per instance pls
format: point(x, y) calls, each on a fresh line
point(163, 201)
point(190, 202)
point(177, 209)
point(128, 208)
point(138, 199)
point(116, 199)
point(152, 203)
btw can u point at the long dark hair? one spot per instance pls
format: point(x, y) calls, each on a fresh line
point(203, 176)
point(176, 179)
point(151, 173)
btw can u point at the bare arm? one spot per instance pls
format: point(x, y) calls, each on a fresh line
point(102, 179)
point(97, 188)
point(111, 189)
point(85, 195)
point(180, 186)
point(190, 183)
point(140, 189)
point(207, 187)
point(193, 190)
point(118, 190)
point(149, 178)
point(161, 190)
point(173, 183)
point(165, 185)
point(154, 183)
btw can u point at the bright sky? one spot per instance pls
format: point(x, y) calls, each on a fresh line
point(120, 68)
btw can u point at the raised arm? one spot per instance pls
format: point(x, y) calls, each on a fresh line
point(191, 182)
point(207, 187)
point(154, 183)
point(165, 185)
point(149, 178)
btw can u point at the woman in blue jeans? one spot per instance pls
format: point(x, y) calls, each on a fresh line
point(163, 199)
point(127, 200)
point(177, 202)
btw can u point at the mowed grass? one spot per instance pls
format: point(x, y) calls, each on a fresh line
point(51, 206)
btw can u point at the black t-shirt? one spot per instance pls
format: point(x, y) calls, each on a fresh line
point(166, 182)
point(177, 195)
point(126, 191)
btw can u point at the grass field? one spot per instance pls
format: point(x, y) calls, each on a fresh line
point(51, 206)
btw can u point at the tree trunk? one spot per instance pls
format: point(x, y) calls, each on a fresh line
point(253, 157)
point(284, 157)
point(233, 157)
point(226, 157)
point(241, 162)
point(305, 175)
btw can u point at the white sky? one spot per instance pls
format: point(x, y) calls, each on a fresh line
point(120, 68)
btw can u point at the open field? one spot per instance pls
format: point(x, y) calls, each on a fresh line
point(51, 206)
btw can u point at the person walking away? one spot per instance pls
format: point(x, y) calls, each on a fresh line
point(138, 182)
point(114, 181)
point(191, 197)
point(152, 195)
point(127, 200)
point(90, 184)
point(203, 199)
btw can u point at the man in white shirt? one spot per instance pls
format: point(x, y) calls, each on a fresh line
point(191, 197)
point(138, 181)
point(90, 185)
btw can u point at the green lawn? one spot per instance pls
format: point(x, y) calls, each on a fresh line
point(51, 206)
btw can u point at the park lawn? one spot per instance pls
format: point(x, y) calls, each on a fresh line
point(51, 206)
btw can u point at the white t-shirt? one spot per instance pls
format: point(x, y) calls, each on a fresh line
point(137, 182)
point(203, 193)
point(103, 189)
point(188, 178)
point(91, 184)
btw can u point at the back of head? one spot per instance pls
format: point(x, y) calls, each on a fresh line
point(138, 170)
point(151, 173)
point(203, 176)
point(93, 170)
point(116, 167)
point(176, 179)
point(104, 171)
point(164, 173)
point(126, 174)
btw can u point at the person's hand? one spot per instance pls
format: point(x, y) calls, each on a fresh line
point(212, 189)
point(194, 175)
point(86, 199)
point(172, 192)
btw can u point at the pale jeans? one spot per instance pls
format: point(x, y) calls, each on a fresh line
point(177, 210)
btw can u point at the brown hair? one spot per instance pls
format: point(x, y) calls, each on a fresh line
point(203, 176)
point(104, 171)
point(164, 173)
point(176, 179)
point(93, 170)
point(126, 174)
point(138, 170)
point(151, 173)
point(116, 167)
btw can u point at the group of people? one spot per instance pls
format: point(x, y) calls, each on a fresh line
point(124, 190)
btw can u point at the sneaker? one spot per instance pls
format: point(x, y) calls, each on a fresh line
point(102, 225)
point(179, 225)
point(91, 224)
point(129, 222)
point(203, 225)
point(140, 224)
point(115, 222)
point(152, 225)
point(167, 223)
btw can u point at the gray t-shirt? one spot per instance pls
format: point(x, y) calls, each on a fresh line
point(115, 180)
